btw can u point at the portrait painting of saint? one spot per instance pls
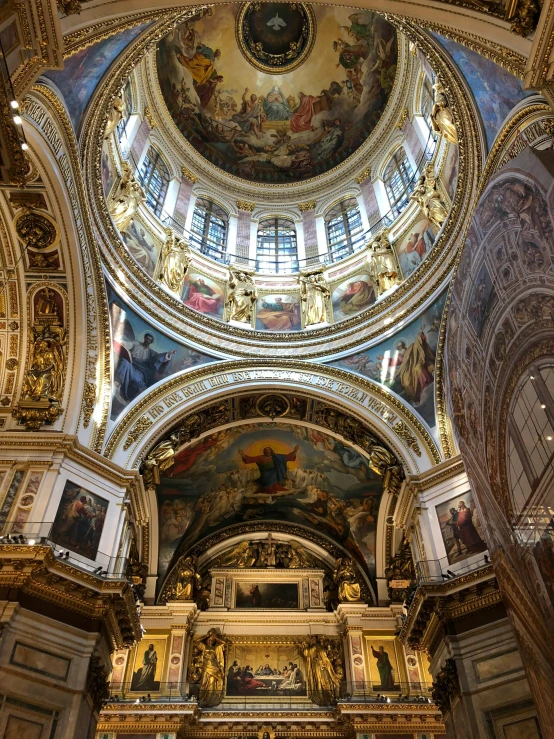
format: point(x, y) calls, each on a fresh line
point(278, 313)
point(148, 665)
point(142, 355)
point(266, 595)
point(353, 296)
point(413, 247)
point(265, 670)
point(203, 294)
point(383, 663)
point(461, 529)
point(268, 128)
point(405, 362)
point(79, 520)
point(260, 471)
point(142, 246)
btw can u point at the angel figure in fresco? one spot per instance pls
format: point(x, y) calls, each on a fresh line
point(272, 467)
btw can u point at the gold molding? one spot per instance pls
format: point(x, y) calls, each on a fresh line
point(245, 205)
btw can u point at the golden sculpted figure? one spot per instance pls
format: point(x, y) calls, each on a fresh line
point(187, 580)
point(322, 678)
point(207, 668)
point(46, 305)
point(242, 294)
point(427, 196)
point(441, 115)
point(160, 459)
point(116, 115)
point(314, 294)
point(175, 262)
point(242, 555)
point(346, 581)
point(382, 263)
point(44, 378)
point(128, 197)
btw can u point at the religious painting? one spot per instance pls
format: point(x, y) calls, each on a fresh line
point(79, 520)
point(383, 664)
point(141, 355)
point(106, 169)
point(203, 294)
point(449, 174)
point(266, 595)
point(278, 313)
point(83, 71)
point(413, 246)
point(265, 670)
point(353, 296)
point(9, 38)
point(461, 529)
point(495, 90)
point(265, 471)
point(142, 246)
point(232, 107)
point(148, 665)
point(481, 300)
point(405, 362)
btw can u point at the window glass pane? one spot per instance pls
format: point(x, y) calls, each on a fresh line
point(276, 250)
point(154, 177)
point(398, 181)
point(344, 229)
point(209, 229)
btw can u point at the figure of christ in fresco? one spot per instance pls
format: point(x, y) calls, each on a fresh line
point(273, 469)
point(276, 106)
point(201, 297)
point(467, 533)
point(139, 366)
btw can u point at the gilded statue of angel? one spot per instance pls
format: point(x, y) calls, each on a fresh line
point(127, 199)
point(314, 294)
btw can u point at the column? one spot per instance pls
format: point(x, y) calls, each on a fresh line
point(310, 231)
point(175, 681)
point(244, 221)
point(183, 197)
point(369, 197)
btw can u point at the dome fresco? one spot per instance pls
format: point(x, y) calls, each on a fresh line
point(316, 106)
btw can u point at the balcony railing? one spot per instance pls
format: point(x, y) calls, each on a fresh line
point(34, 533)
point(349, 692)
point(439, 570)
point(341, 249)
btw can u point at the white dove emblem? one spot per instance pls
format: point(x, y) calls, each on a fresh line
point(276, 23)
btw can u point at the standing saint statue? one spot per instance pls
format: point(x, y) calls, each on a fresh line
point(116, 114)
point(127, 199)
point(44, 378)
point(427, 196)
point(174, 262)
point(209, 660)
point(314, 294)
point(241, 296)
point(382, 263)
point(441, 115)
point(322, 679)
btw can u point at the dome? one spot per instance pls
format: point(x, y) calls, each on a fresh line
point(277, 92)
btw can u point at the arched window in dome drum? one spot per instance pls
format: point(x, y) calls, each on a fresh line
point(277, 251)
point(427, 101)
point(208, 231)
point(345, 232)
point(127, 109)
point(154, 177)
point(398, 180)
point(531, 438)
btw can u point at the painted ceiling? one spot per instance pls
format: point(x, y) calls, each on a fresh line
point(278, 92)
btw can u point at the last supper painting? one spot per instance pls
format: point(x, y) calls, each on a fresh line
point(299, 93)
point(265, 471)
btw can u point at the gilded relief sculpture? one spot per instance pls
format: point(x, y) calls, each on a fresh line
point(43, 384)
point(174, 262)
point(346, 581)
point(314, 295)
point(159, 459)
point(115, 116)
point(208, 660)
point(383, 268)
point(441, 116)
point(427, 196)
point(324, 670)
point(241, 296)
point(185, 580)
point(128, 197)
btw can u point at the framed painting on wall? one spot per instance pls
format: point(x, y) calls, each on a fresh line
point(148, 665)
point(460, 528)
point(382, 657)
point(79, 520)
point(264, 669)
point(275, 595)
